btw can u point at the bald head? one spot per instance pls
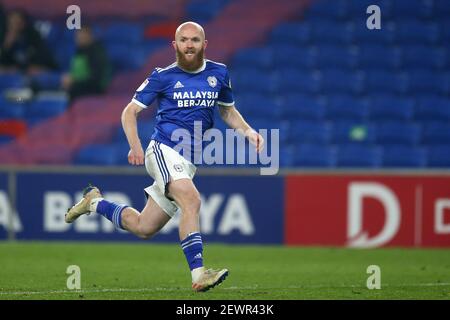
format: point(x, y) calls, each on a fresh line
point(189, 26)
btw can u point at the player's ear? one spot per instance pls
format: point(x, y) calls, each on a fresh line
point(174, 44)
point(205, 44)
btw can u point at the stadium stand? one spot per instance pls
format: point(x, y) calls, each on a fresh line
point(342, 95)
point(386, 89)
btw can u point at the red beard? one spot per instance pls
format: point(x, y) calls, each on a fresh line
point(192, 65)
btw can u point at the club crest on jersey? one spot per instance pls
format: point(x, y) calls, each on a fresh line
point(212, 81)
point(178, 167)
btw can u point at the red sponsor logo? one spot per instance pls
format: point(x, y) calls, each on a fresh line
point(368, 211)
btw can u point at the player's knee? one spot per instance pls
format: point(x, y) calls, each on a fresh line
point(189, 200)
point(146, 234)
point(193, 203)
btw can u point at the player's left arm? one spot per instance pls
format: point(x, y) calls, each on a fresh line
point(233, 118)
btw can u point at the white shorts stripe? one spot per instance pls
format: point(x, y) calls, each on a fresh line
point(163, 161)
point(158, 161)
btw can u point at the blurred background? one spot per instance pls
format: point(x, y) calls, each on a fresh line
point(343, 97)
point(341, 94)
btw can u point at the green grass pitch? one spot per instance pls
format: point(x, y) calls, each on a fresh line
point(37, 270)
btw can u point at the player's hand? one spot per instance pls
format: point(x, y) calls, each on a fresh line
point(255, 139)
point(136, 156)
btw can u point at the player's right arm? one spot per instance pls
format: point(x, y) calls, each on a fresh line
point(144, 96)
point(129, 124)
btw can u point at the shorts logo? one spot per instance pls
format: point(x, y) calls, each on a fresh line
point(178, 167)
point(212, 81)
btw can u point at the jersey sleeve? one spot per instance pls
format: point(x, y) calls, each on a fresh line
point(148, 91)
point(226, 93)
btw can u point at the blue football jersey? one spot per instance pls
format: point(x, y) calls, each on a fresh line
point(184, 98)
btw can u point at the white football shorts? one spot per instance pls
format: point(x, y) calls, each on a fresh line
point(164, 164)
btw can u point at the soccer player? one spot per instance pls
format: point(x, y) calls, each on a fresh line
point(187, 91)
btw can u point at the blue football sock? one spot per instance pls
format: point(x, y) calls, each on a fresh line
point(111, 211)
point(193, 250)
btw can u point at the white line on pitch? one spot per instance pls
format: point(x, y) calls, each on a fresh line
point(438, 284)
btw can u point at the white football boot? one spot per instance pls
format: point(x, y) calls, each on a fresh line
point(209, 279)
point(84, 205)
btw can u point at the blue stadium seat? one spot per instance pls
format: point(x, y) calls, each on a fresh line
point(258, 58)
point(425, 81)
point(275, 133)
point(202, 11)
point(123, 32)
point(404, 156)
point(67, 35)
point(351, 132)
point(44, 107)
point(305, 132)
point(51, 32)
point(420, 9)
point(363, 35)
point(328, 31)
point(121, 153)
point(445, 32)
point(305, 57)
point(421, 56)
point(145, 130)
point(55, 32)
point(358, 156)
point(257, 106)
point(252, 80)
point(150, 46)
point(304, 107)
point(288, 81)
point(287, 156)
point(236, 155)
point(432, 108)
point(296, 33)
point(399, 133)
point(413, 31)
point(388, 107)
point(346, 107)
point(268, 124)
point(124, 56)
point(338, 80)
point(439, 156)
point(314, 155)
point(5, 139)
point(119, 136)
point(219, 123)
point(11, 110)
point(335, 56)
point(372, 56)
point(441, 8)
point(63, 54)
point(97, 154)
point(328, 10)
point(11, 80)
point(436, 132)
point(379, 81)
point(444, 81)
point(47, 80)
